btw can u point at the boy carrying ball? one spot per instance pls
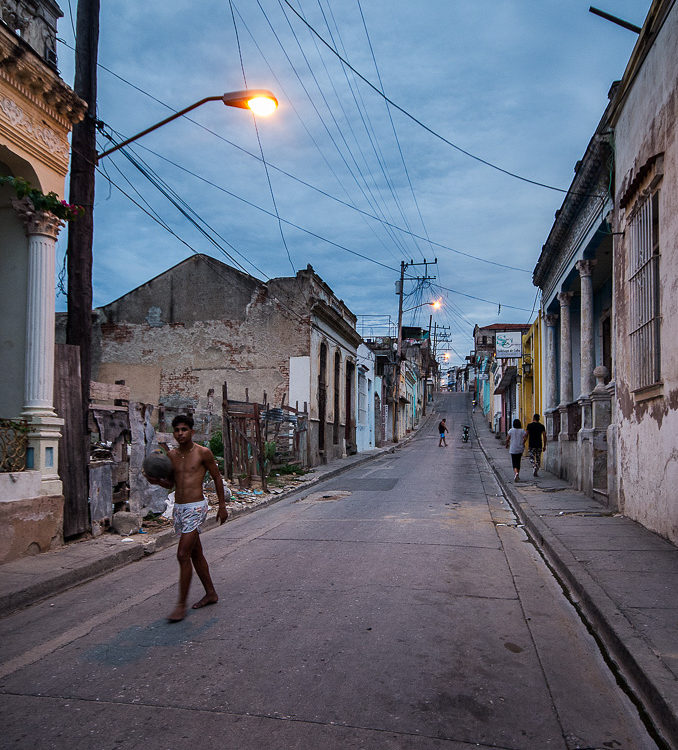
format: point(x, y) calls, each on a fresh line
point(190, 463)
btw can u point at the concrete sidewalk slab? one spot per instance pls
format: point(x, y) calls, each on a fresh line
point(622, 577)
point(31, 579)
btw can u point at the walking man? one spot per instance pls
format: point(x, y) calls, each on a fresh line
point(190, 463)
point(537, 443)
point(442, 429)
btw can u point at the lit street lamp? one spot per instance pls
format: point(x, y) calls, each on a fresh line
point(435, 305)
point(261, 101)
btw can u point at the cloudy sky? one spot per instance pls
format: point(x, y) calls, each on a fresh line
point(337, 177)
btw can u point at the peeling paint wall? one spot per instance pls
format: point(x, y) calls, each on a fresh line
point(176, 339)
point(646, 140)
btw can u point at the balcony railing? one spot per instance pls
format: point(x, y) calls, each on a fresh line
point(13, 444)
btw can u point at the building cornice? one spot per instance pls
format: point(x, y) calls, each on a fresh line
point(584, 190)
point(654, 21)
point(328, 315)
point(25, 71)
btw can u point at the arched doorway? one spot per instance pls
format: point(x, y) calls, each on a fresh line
point(337, 378)
point(322, 397)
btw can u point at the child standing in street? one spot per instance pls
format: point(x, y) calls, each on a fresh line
point(442, 429)
point(190, 463)
point(515, 442)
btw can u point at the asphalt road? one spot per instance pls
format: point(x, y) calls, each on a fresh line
point(398, 605)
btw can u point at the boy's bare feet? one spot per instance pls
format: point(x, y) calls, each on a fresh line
point(207, 599)
point(177, 614)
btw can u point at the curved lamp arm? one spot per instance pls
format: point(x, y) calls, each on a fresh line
point(243, 99)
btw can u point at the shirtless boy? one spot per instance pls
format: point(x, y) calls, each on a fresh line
point(190, 462)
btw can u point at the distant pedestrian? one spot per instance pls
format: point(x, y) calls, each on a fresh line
point(515, 442)
point(442, 429)
point(536, 433)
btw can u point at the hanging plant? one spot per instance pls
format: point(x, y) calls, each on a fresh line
point(41, 202)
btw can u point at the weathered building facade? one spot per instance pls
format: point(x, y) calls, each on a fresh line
point(609, 279)
point(644, 116)
point(177, 339)
point(37, 111)
point(574, 273)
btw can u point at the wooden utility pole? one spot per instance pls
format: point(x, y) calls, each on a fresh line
point(399, 347)
point(83, 161)
point(80, 235)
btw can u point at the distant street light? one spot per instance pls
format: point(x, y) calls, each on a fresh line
point(435, 305)
point(261, 101)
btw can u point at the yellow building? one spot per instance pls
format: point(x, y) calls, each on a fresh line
point(37, 111)
point(530, 371)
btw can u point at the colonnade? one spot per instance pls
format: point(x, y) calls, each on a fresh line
point(560, 397)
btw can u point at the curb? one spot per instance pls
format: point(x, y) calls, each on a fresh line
point(143, 547)
point(36, 592)
point(646, 676)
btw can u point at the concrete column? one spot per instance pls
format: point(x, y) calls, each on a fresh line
point(42, 229)
point(585, 268)
point(565, 349)
point(551, 371)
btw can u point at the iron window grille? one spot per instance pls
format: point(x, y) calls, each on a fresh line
point(644, 294)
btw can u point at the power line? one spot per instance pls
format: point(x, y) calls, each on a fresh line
point(374, 202)
point(302, 121)
point(301, 181)
point(390, 117)
point(261, 148)
point(271, 214)
point(412, 117)
point(480, 299)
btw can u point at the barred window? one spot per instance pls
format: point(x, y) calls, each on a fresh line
point(644, 294)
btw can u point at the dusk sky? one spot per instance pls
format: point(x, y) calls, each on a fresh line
point(357, 184)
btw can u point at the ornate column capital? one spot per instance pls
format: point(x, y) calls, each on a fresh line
point(585, 267)
point(37, 222)
point(565, 298)
point(551, 320)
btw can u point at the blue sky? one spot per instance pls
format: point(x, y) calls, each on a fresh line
point(519, 84)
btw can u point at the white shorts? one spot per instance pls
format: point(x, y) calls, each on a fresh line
point(189, 516)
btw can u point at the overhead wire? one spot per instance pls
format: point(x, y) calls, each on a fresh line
point(390, 117)
point(157, 219)
point(290, 101)
point(285, 221)
point(366, 121)
point(261, 148)
point(373, 199)
point(303, 182)
point(480, 299)
point(414, 119)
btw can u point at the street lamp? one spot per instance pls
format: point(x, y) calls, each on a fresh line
point(435, 305)
point(261, 101)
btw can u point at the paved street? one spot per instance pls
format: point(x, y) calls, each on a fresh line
point(398, 605)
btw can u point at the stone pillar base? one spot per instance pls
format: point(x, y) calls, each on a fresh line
point(44, 432)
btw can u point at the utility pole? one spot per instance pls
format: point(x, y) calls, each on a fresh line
point(399, 347)
point(428, 365)
point(396, 389)
point(80, 232)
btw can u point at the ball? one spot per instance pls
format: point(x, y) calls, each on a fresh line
point(158, 465)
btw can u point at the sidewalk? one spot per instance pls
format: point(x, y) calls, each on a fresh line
point(621, 577)
point(30, 579)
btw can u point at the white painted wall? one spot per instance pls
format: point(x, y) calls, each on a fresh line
point(365, 417)
point(300, 381)
point(647, 447)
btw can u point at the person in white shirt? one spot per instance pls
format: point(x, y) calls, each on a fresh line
point(515, 442)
